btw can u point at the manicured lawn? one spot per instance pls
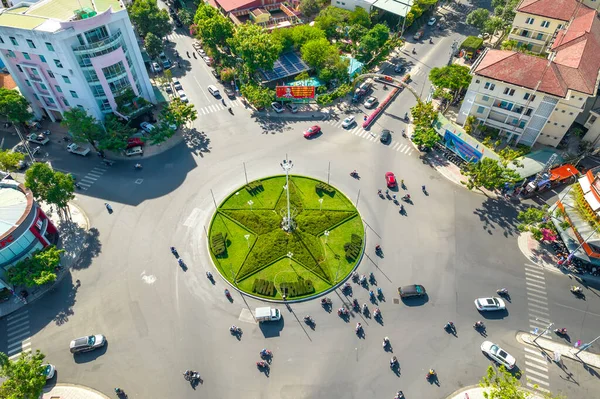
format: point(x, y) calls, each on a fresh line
point(314, 267)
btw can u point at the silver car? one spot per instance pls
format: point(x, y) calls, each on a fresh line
point(89, 343)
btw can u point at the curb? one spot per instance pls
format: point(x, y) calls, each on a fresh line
point(564, 350)
point(316, 116)
point(535, 395)
point(172, 142)
point(75, 386)
point(522, 243)
point(87, 220)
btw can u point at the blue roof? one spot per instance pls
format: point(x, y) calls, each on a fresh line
point(288, 64)
point(354, 67)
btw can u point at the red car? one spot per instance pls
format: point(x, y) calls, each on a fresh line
point(312, 131)
point(134, 142)
point(390, 179)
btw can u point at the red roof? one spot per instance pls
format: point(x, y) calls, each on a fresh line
point(561, 173)
point(230, 5)
point(556, 9)
point(575, 65)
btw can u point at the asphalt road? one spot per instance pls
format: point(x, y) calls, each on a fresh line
point(160, 321)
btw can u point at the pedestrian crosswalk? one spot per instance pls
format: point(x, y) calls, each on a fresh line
point(91, 177)
point(536, 363)
point(17, 334)
point(209, 109)
point(357, 130)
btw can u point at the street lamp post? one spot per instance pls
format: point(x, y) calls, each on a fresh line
point(586, 346)
point(247, 237)
point(250, 202)
point(287, 165)
point(545, 330)
point(320, 204)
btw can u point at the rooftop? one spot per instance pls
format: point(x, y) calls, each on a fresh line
point(575, 65)
point(555, 9)
point(30, 17)
point(230, 5)
point(397, 7)
point(13, 203)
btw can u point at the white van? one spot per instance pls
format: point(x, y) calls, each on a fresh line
point(213, 90)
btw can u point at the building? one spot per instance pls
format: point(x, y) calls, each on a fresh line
point(73, 53)
point(530, 99)
point(270, 14)
point(24, 227)
point(352, 4)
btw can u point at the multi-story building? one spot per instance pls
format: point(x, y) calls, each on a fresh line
point(537, 21)
point(73, 53)
point(531, 99)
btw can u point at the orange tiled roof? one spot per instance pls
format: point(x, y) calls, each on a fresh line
point(555, 9)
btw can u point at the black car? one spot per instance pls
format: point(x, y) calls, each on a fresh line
point(385, 136)
point(411, 290)
point(400, 68)
point(229, 92)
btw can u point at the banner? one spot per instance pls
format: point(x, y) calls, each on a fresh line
point(294, 92)
point(462, 148)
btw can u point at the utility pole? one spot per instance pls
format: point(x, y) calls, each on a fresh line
point(586, 346)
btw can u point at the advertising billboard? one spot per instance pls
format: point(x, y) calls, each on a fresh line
point(295, 92)
point(460, 147)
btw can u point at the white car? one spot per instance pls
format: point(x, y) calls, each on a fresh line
point(182, 96)
point(177, 84)
point(147, 127)
point(349, 121)
point(370, 102)
point(207, 60)
point(201, 52)
point(156, 67)
point(431, 21)
point(138, 150)
point(48, 370)
point(486, 304)
point(498, 354)
point(277, 107)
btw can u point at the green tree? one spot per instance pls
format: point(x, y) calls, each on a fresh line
point(356, 32)
point(258, 96)
point(50, 186)
point(502, 384)
point(212, 27)
point(424, 114)
point(381, 33)
point(310, 7)
point(147, 17)
point(161, 133)
point(508, 155)
point(331, 19)
point(453, 77)
point(470, 124)
point(24, 378)
point(154, 45)
point(336, 68)
point(478, 18)
point(185, 16)
point(493, 24)
point(511, 45)
point(488, 173)
point(179, 113)
point(532, 215)
point(426, 137)
point(36, 270)
point(360, 16)
point(368, 45)
point(116, 135)
point(83, 128)
point(302, 34)
point(316, 52)
point(9, 160)
point(255, 46)
point(14, 106)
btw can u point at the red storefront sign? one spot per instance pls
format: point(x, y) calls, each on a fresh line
point(292, 92)
point(6, 241)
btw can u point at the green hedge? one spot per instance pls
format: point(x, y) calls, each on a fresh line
point(259, 221)
point(267, 248)
point(318, 221)
point(324, 188)
point(218, 243)
point(264, 287)
point(353, 247)
point(255, 187)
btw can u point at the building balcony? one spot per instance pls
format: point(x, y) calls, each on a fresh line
point(519, 34)
point(99, 45)
point(130, 106)
point(503, 126)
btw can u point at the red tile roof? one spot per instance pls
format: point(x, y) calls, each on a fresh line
point(575, 65)
point(556, 9)
point(230, 5)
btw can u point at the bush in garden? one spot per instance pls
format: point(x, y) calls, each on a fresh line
point(260, 221)
point(218, 243)
point(324, 188)
point(353, 247)
point(317, 222)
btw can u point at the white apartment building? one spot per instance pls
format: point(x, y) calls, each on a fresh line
point(532, 99)
point(72, 53)
point(352, 4)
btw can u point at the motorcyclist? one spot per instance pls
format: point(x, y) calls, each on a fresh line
point(209, 275)
point(376, 312)
point(393, 361)
point(365, 307)
point(354, 173)
point(180, 261)
point(414, 51)
point(423, 187)
point(379, 191)
point(406, 116)
point(358, 326)
point(233, 328)
point(386, 341)
point(401, 208)
point(377, 247)
point(478, 324)
point(227, 292)
point(430, 41)
point(138, 166)
point(173, 250)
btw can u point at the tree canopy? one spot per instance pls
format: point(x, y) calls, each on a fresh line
point(178, 113)
point(116, 135)
point(24, 378)
point(424, 114)
point(37, 269)
point(154, 45)
point(330, 19)
point(501, 384)
point(14, 106)
point(49, 186)
point(83, 128)
point(478, 18)
point(297, 36)
point(360, 16)
point(453, 77)
point(426, 137)
point(255, 46)
point(311, 7)
point(212, 27)
point(9, 160)
point(147, 17)
point(488, 173)
point(258, 96)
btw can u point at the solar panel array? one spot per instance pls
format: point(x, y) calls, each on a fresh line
point(288, 64)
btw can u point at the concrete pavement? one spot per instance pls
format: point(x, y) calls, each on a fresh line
point(590, 359)
point(70, 391)
point(477, 392)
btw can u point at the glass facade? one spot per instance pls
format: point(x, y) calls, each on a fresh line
point(18, 247)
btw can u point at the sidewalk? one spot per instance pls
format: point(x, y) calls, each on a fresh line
point(476, 392)
point(590, 359)
point(73, 239)
point(69, 391)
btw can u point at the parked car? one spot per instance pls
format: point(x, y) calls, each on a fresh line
point(167, 88)
point(370, 102)
point(182, 96)
point(277, 107)
point(212, 89)
point(85, 344)
point(431, 21)
point(349, 121)
point(166, 64)
point(156, 67)
point(411, 290)
point(400, 68)
point(312, 131)
point(386, 136)
point(292, 107)
point(208, 60)
point(135, 142)
point(138, 150)
point(21, 148)
point(390, 180)
point(177, 84)
point(76, 149)
point(498, 354)
point(48, 370)
point(38, 138)
point(229, 92)
point(487, 304)
point(147, 127)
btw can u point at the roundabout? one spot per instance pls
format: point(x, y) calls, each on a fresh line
point(286, 237)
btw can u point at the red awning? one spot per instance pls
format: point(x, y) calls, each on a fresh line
point(563, 172)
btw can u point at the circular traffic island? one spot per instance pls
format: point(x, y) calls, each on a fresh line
point(286, 241)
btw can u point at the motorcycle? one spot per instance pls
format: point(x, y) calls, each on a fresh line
point(393, 362)
point(362, 280)
point(406, 116)
point(502, 291)
point(430, 41)
point(358, 328)
point(309, 320)
point(120, 393)
point(230, 110)
point(354, 174)
point(191, 375)
point(561, 331)
point(265, 353)
point(227, 294)
point(108, 207)
point(430, 375)
point(399, 395)
point(380, 194)
point(209, 276)
point(262, 364)
point(235, 330)
point(478, 325)
point(138, 166)
point(325, 301)
point(376, 313)
point(371, 295)
point(174, 252)
point(386, 342)
point(404, 133)
point(406, 198)
point(449, 326)
point(355, 304)
point(365, 308)
point(355, 277)
point(379, 293)
point(342, 312)
point(181, 263)
point(414, 51)
point(575, 289)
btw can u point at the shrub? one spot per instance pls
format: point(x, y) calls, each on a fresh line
point(316, 222)
point(324, 188)
point(218, 243)
point(255, 187)
point(353, 247)
point(297, 288)
point(264, 287)
point(259, 221)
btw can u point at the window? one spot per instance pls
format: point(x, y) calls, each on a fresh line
point(49, 72)
point(36, 72)
point(66, 79)
point(49, 46)
point(97, 91)
point(30, 43)
point(485, 98)
point(28, 82)
point(43, 87)
point(480, 110)
point(559, 26)
point(95, 35)
point(529, 111)
point(114, 70)
point(58, 89)
point(43, 59)
point(74, 94)
point(66, 102)
point(545, 24)
point(540, 36)
point(509, 91)
point(80, 106)
point(522, 124)
point(592, 119)
point(1, 40)
point(489, 86)
point(525, 33)
point(11, 54)
point(26, 56)
point(14, 41)
point(19, 68)
point(529, 21)
point(50, 100)
point(526, 96)
point(58, 63)
point(36, 96)
point(81, 41)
